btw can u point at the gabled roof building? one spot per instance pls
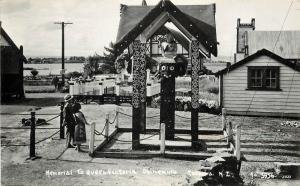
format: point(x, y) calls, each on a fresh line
point(265, 78)
point(12, 59)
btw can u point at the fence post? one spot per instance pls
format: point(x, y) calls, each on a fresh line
point(117, 88)
point(32, 136)
point(62, 128)
point(238, 143)
point(224, 119)
point(107, 126)
point(117, 115)
point(229, 133)
point(92, 139)
point(162, 138)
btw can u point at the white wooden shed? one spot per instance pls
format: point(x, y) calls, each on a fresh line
point(261, 84)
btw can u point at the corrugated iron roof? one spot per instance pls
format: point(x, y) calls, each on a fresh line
point(262, 52)
point(287, 43)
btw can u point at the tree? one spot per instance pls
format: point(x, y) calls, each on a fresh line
point(73, 74)
point(34, 73)
point(149, 63)
point(110, 56)
point(121, 61)
point(91, 66)
point(113, 63)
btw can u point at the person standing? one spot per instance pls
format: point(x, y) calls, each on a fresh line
point(54, 82)
point(80, 133)
point(69, 120)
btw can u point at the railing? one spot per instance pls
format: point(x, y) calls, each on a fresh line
point(233, 143)
point(105, 131)
point(33, 128)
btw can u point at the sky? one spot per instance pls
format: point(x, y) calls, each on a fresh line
point(95, 22)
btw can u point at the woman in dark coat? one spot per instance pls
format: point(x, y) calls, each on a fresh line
point(80, 133)
point(69, 120)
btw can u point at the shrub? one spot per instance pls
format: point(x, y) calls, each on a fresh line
point(74, 74)
point(214, 90)
point(184, 104)
point(34, 73)
point(209, 106)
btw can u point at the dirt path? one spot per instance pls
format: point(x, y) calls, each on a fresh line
point(15, 170)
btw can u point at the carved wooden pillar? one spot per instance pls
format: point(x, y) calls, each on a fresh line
point(138, 92)
point(196, 67)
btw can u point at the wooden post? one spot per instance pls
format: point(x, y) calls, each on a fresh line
point(63, 49)
point(138, 92)
point(117, 117)
point(224, 119)
point(62, 128)
point(148, 75)
point(117, 92)
point(238, 143)
point(196, 61)
point(221, 91)
point(100, 88)
point(32, 136)
point(143, 90)
point(143, 115)
point(92, 139)
point(167, 106)
point(117, 88)
point(63, 54)
point(229, 133)
point(162, 138)
point(107, 126)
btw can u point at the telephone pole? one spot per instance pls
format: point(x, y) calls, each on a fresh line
point(63, 49)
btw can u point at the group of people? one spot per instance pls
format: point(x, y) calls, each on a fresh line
point(75, 122)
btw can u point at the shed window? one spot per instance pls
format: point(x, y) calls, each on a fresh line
point(263, 78)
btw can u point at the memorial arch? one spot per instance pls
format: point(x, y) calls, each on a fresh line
point(137, 27)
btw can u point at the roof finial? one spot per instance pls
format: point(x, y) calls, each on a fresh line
point(144, 3)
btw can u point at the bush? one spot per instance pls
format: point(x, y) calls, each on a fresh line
point(34, 73)
point(209, 106)
point(64, 89)
point(184, 104)
point(74, 74)
point(214, 90)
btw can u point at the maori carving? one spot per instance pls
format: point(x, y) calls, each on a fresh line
point(139, 73)
point(143, 73)
point(196, 67)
